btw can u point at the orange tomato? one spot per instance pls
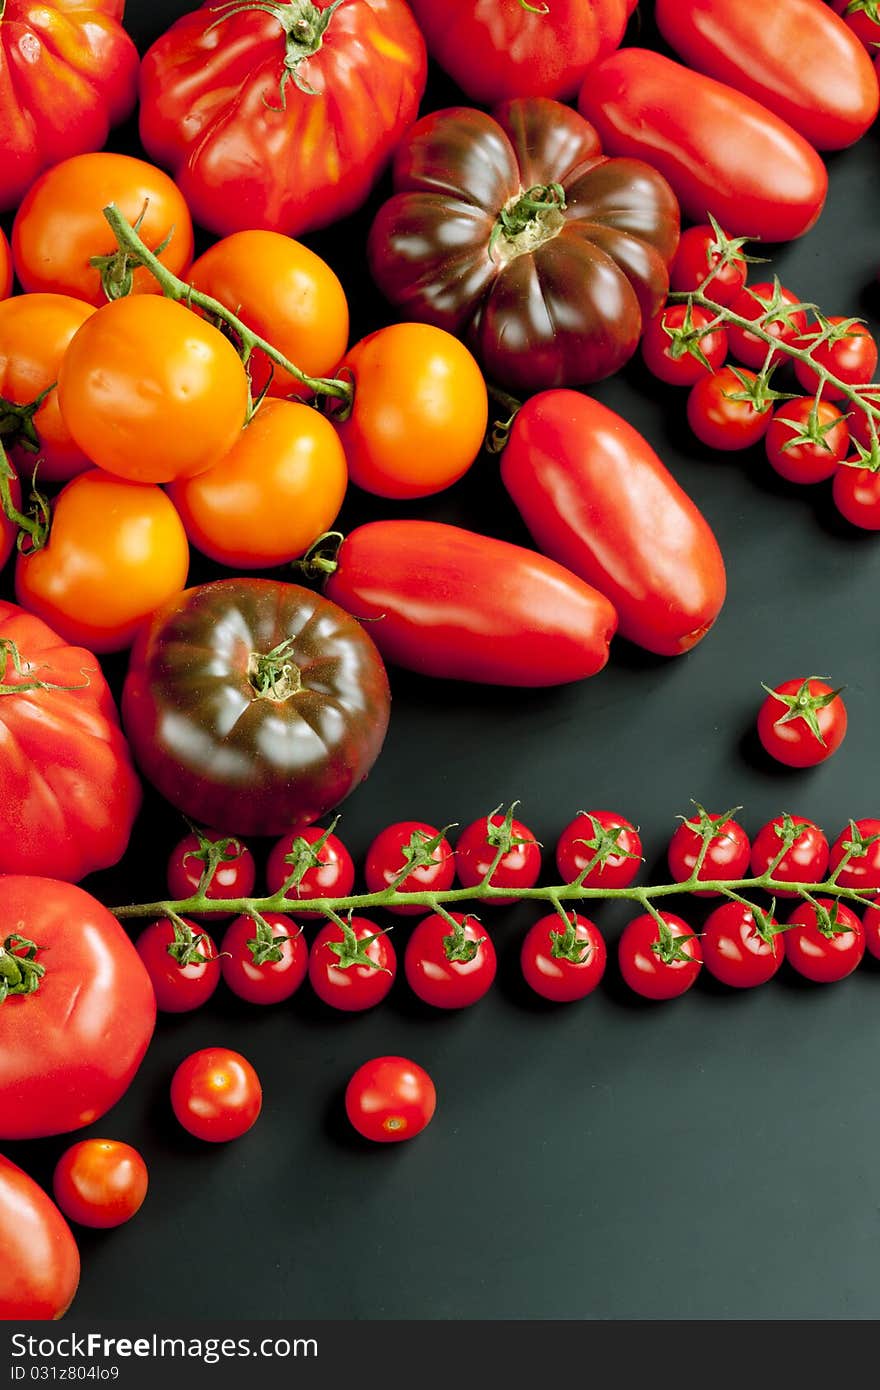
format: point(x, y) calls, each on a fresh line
point(279, 487)
point(5, 266)
point(150, 391)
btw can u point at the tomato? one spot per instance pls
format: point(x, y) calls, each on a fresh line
point(776, 310)
point(600, 848)
point(861, 421)
point(79, 1009)
point(596, 497)
point(705, 248)
point(456, 605)
point(352, 966)
point(727, 854)
point(5, 266)
point(286, 294)
point(722, 152)
point(563, 960)
point(859, 845)
point(659, 961)
point(100, 1182)
point(449, 960)
point(871, 928)
point(255, 703)
point(280, 117)
point(9, 530)
point(272, 495)
point(863, 18)
point(824, 942)
point(802, 845)
point(229, 862)
point(727, 410)
point(181, 962)
point(740, 948)
point(39, 1259)
point(802, 721)
point(60, 226)
point(216, 1094)
point(389, 1099)
point(806, 440)
point(856, 493)
point(150, 392)
point(844, 347)
point(68, 72)
point(415, 843)
point(500, 848)
point(681, 343)
point(264, 961)
point(560, 254)
point(116, 550)
point(420, 410)
point(310, 863)
point(801, 62)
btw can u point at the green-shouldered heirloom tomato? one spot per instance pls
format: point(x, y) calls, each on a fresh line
point(39, 1259)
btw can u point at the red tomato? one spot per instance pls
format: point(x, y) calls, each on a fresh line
point(5, 266)
point(449, 964)
point(863, 17)
point(601, 846)
point(659, 962)
point(100, 1182)
point(803, 847)
point(844, 347)
point(563, 961)
point(352, 967)
point(871, 928)
point(216, 1094)
point(806, 440)
point(726, 857)
point(310, 863)
point(409, 842)
point(78, 1019)
point(39, 1260)
point(500, 846)
point(181, 962)
point(679, 346)
point(856, 493)
point(862, 421)
point(230, 862)
point(389, 1099)
point(702, 249)
point(264, 961)
point(739, 949)
point(727, 409)
point(859, 844)
point(824, 945)
point(802, 721)
point(774, 308)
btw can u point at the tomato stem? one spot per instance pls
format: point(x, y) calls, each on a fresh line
point(33, 526)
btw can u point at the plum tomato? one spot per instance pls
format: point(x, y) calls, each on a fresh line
point(310, 863)
point(727, 849)
point(181, 962)
point(602, 846)
point(263, 959)
point(728, 409)
point(659, 959)
point(563, 960)
point(352, 964)
point(741, 945)
point(804, 850)
point(806, 440)
point(824, 941)
point(100, 1182)
point(449, 960)
point(859, 845)
point(404, 844)
point(229, 861)
point(777, 311)
point(844, 347)
point(802, 721)
point(389, 1099)
point(216, 1094)
point(500, 844)
point(706, 248)
point(683, 342)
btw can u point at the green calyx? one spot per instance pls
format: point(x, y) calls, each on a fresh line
point(273, 675)
point(458, 946)
point(567, 945)
point(803, 704)
point(303, 25)
point(303, 856)
point(420, 852)
point(265, 945)
point(605, 845)
point(670, 947)
point(20, 971)
point(212, 853)
point(353, 950)
point(185, 948)
point(526, 221)
point(869, 8)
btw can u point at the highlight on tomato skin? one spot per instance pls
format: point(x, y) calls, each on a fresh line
point(100, 1183)
point(216, 1095)
point(390, 1099)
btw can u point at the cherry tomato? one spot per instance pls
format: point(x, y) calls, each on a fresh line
point(409, 842)
point(679, 347)
point(352, 967)
point(60, 224)
point(727, 855)
point(871, 928)
point(772, 304)
point(802, 721)
point(266, 961)
point(116, 551)
point(702, 249)
point(601, 839)
point(804, 861)
point(233, 870)
point(738, 949)
point(5, 266)
point(389, 1099)
point(216, 1094)
point(806, 440)
point(859, 421)
point(724, 413)
point(310, 863)
point(659, 963)
point(860, 841)
point(824, 946)
point(480, 844)
point(844, 347)
point(100, 1182)
point(181, 962)
point(420, 410)
point(856, 493)
point(563, 961)
point(449, 966)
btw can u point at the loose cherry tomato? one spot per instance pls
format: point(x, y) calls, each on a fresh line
point(659, 962)
point(264, 961)
point(233, 871)
point(501, 844)
point(856, 493)
point(824, 945)
point(739, 948)
point(859, 843)
point(563, 961)
point(706, 248)
point(216, 1094)
point(409, 842)
point(352, 966)
point(389, 1099)
point(774, 306)
point(727, 409)
point(181, 962)
point(727, 855)
point(5, 266)
point(312, 863)
point(844, 347)
point(679, 346)
point(804, 861)
point(449, 966)
point(604, 844)
point(802, 721)
point(871, 928)
point(806, 440)
point(100, 1182)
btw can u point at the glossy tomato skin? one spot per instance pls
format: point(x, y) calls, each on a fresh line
point(249, 153)
point(818, 956)
point(234, 874)
point(721, 151)
point(851, 357)
point(5, 266)
point(791, 741)
point(71, 1048)
point(719, 419)
point(754, 302)
point(578, 844)
point(856, 493)
point(388, 855)
point(560, 254)
point(100, 1183)
point(216, 1094)
point(812, 460)
point(255, 702)
point(68, 72)
point(268, 981)
point(352, 987)
point(642, 967)
point(443, 972)
point(871, 928)
point(862, 869)
point(389, 1099)
point(558, 977)
point(596, 497)
point(805, 861)
point(331, 877)
point(179, 985)
point(39, 1259)
point(477, 847)
point(452, 604)
point(735, 952)
point(727, 856)
point(659, 347)
point(801, 61)
point(700, 252)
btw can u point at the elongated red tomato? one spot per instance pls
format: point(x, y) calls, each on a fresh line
point(798, 59)
point(722, 152)
point(597, 498)
point(448, 602)
point(39, 1260)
